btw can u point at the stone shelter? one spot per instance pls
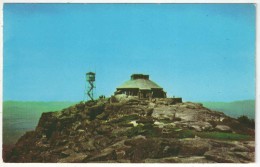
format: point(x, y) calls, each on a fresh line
point(140, 85)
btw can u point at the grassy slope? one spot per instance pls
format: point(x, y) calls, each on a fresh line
point(234, 109)
point(19, 117)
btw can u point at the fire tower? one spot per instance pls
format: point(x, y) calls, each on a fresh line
point(90, 77)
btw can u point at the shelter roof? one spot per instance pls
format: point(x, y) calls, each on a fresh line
point(140, 83)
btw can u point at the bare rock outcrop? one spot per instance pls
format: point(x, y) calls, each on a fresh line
point(127, 129)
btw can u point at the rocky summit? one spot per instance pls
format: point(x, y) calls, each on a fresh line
point(127, 129)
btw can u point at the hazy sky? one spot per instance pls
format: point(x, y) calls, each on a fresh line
point(200, 52)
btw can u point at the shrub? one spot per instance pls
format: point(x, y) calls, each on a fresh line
point(250, 123)
point(223, 136)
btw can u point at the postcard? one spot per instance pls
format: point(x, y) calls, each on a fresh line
point(129, 83)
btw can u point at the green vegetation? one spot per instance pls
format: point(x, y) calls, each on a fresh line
point(250, 123)
point(223, 136)
point(233, 109)
point(166, 121)
point(184, 133)
point(213, 135)
point(19, 117)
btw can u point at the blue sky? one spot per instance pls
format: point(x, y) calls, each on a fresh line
point(200, 52)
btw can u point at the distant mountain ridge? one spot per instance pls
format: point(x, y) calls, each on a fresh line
point(235, 108)
point(21, 116)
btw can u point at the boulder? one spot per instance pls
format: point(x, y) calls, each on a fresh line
point(164, 112)
point(225, 155)
point(194, 146)
point(223, 128)
point(104, 155)
point(200, 126)
point(240, 148)
point(67, 153)
point(75, 158)
point(196, 127)
point(122, 98)
point(250, 145)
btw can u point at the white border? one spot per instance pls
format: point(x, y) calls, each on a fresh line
point(135, 1)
